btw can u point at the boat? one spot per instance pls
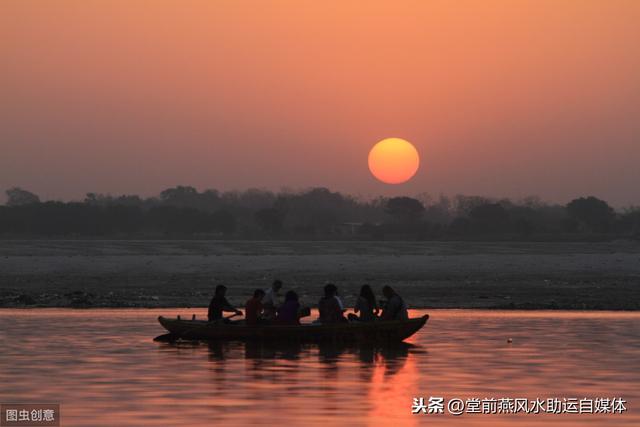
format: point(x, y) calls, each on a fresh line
point(377, 331)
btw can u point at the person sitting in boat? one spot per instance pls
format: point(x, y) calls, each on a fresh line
point(271, 300)
point(330, 307)
point(253, 308)
point(365, 305)
point(219, 304)
point(289, 312)
point(395, 308)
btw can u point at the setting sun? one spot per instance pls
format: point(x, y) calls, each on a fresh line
point(394, 160)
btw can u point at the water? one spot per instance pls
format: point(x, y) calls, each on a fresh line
point(105, 370)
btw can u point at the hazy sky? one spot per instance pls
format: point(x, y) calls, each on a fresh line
point(504, 98)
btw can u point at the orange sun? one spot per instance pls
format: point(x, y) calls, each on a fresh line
point(394, 160)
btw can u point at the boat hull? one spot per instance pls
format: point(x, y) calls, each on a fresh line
point(379, 331)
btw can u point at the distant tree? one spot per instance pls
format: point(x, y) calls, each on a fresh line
point(315, 211)
point(128, 200)
point(490, 217)
point(224, 221)
point(532, 202)
point(123, 218)
point(463, 205)
point(526, 217)
point(92, 198)
point(439, 211)
point(405, 209)
point(630, 221)
point(570, 225)
point(524, 227)
point(592, 212)
point(108, 200)
point(270, 220)
point(182, 196)
point(256, 198)
point(460, 226)
point(16, 196)
point(172, 220)
point(372, 231)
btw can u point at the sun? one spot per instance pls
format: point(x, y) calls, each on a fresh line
point(394, 160)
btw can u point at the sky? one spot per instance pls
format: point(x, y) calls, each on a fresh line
point(505, 98)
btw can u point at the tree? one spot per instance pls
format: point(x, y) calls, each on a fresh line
point(438, 212)
point(180, 196)
point(630, 221)
point(490, 217)
point(460, 226)
point(270, 220)
point(16, 196)
point(223, 221)
point(463, 205)
point(97, 199)
point(314, 211)
point(591, 212)
point(405, 209)
point(524, 227)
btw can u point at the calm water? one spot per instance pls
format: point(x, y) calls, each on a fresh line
point(105, 370)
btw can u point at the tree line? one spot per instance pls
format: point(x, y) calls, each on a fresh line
point(317, 213)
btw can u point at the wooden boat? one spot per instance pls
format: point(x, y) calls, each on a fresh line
point(378, 331)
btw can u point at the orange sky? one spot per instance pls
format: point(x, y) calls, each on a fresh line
point(505, 98)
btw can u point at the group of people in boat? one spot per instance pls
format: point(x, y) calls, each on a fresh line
point(264, 307)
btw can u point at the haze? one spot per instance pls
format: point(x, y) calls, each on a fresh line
point(501, 98)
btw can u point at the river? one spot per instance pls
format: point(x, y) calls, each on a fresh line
point(103, 368)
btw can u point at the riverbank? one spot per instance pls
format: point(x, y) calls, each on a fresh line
point(149, 273)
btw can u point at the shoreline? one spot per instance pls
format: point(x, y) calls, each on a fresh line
point(429, 275)
point(566, 292)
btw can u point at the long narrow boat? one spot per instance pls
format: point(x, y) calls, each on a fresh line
point(378, 331)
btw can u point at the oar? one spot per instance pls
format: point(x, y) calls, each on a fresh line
point(171, 337)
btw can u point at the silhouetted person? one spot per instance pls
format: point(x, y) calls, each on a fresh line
point(219, 304)
point(253, 308)
point(395, 308)
point(271, 300)
point(289, 312)
point(329, 306)
point(365, 305)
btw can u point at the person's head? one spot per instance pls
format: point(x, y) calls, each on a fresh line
point(276, 285)
point(221, 290)
point(291, 296)
point(388, 292)
point(258, 294)
point(330, 290)
point(367, 293)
